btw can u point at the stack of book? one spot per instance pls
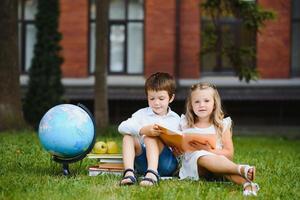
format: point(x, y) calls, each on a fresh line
point(107, 164)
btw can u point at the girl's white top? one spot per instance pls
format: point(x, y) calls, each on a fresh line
point(189, 168)
point(146, 116)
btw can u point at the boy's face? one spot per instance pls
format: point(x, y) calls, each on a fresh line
point(159, 101)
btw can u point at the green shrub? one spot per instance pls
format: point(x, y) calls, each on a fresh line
point(44, 88)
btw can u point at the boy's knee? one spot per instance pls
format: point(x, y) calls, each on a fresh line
point(151, 140)
point(147, 139)
point(127, 137)
point(130, 140)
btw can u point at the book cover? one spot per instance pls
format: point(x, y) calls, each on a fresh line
point(117, 166)
point(108, 160)
point(106, 156)
point(96, 170)
point(181, 140)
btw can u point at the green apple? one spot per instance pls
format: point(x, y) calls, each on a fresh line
point(100, 147)
point(112, 147)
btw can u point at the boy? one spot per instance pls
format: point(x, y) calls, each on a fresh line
point(141, 149)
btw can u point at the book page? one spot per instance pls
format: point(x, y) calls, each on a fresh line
point(109, 160)
point(201, 138)
point(171, 138)
point(181, 140)
point(169, 131)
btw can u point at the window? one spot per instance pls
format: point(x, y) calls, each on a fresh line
point(126, 42)
point(295, 38)
point(27, 32)
point(231, 32)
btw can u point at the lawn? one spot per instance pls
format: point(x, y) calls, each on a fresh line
point(27, 172)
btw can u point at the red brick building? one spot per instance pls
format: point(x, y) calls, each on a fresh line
point(150, 35)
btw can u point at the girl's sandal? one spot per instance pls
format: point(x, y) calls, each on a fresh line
point(132, 178)
point(247, 192)
point(245, 172)
point(151, 180)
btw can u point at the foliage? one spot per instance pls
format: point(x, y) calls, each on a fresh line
point(44, 88)
point(251, 16)
point(27, 172)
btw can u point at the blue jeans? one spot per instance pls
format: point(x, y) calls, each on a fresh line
point(167, 163)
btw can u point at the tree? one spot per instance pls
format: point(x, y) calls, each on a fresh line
point(11, 115)
point(44, 88)
point(252, 17)
point(100, 88)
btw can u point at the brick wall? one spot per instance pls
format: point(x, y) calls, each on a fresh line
point(159, 36)
point(273, 44)
point(189, 39)
point(74, 28)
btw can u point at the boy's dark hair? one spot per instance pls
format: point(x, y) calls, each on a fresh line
point(161, 81)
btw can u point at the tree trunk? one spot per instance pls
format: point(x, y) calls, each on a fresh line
point(11, 115)
point(100, 88)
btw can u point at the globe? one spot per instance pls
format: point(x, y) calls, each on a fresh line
point(66, 131)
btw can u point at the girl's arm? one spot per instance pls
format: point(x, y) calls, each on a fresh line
point(227, 149)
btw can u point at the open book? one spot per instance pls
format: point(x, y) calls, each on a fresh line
point(181, 140)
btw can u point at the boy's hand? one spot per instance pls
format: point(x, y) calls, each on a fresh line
point(150, 130)
point(200, 146)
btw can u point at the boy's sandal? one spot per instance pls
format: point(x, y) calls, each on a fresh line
point(250, 192)
point(245, 172)
point(132, 178)
point(153, 181)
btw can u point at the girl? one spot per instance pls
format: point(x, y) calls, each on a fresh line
point(204, 113)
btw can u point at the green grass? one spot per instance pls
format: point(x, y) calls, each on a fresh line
point(27, 172)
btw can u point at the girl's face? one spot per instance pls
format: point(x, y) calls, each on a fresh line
point(159, 101)
point(203, 103)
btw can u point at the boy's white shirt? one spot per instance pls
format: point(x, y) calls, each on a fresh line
point(146, 116)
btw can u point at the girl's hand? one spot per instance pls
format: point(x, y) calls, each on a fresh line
point(200, 146)
point(150, 130)
point(176, 151)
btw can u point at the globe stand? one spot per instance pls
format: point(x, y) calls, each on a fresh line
point(66, 161)
point(66, 170)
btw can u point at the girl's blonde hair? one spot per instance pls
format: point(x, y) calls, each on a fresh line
point(217, 115)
